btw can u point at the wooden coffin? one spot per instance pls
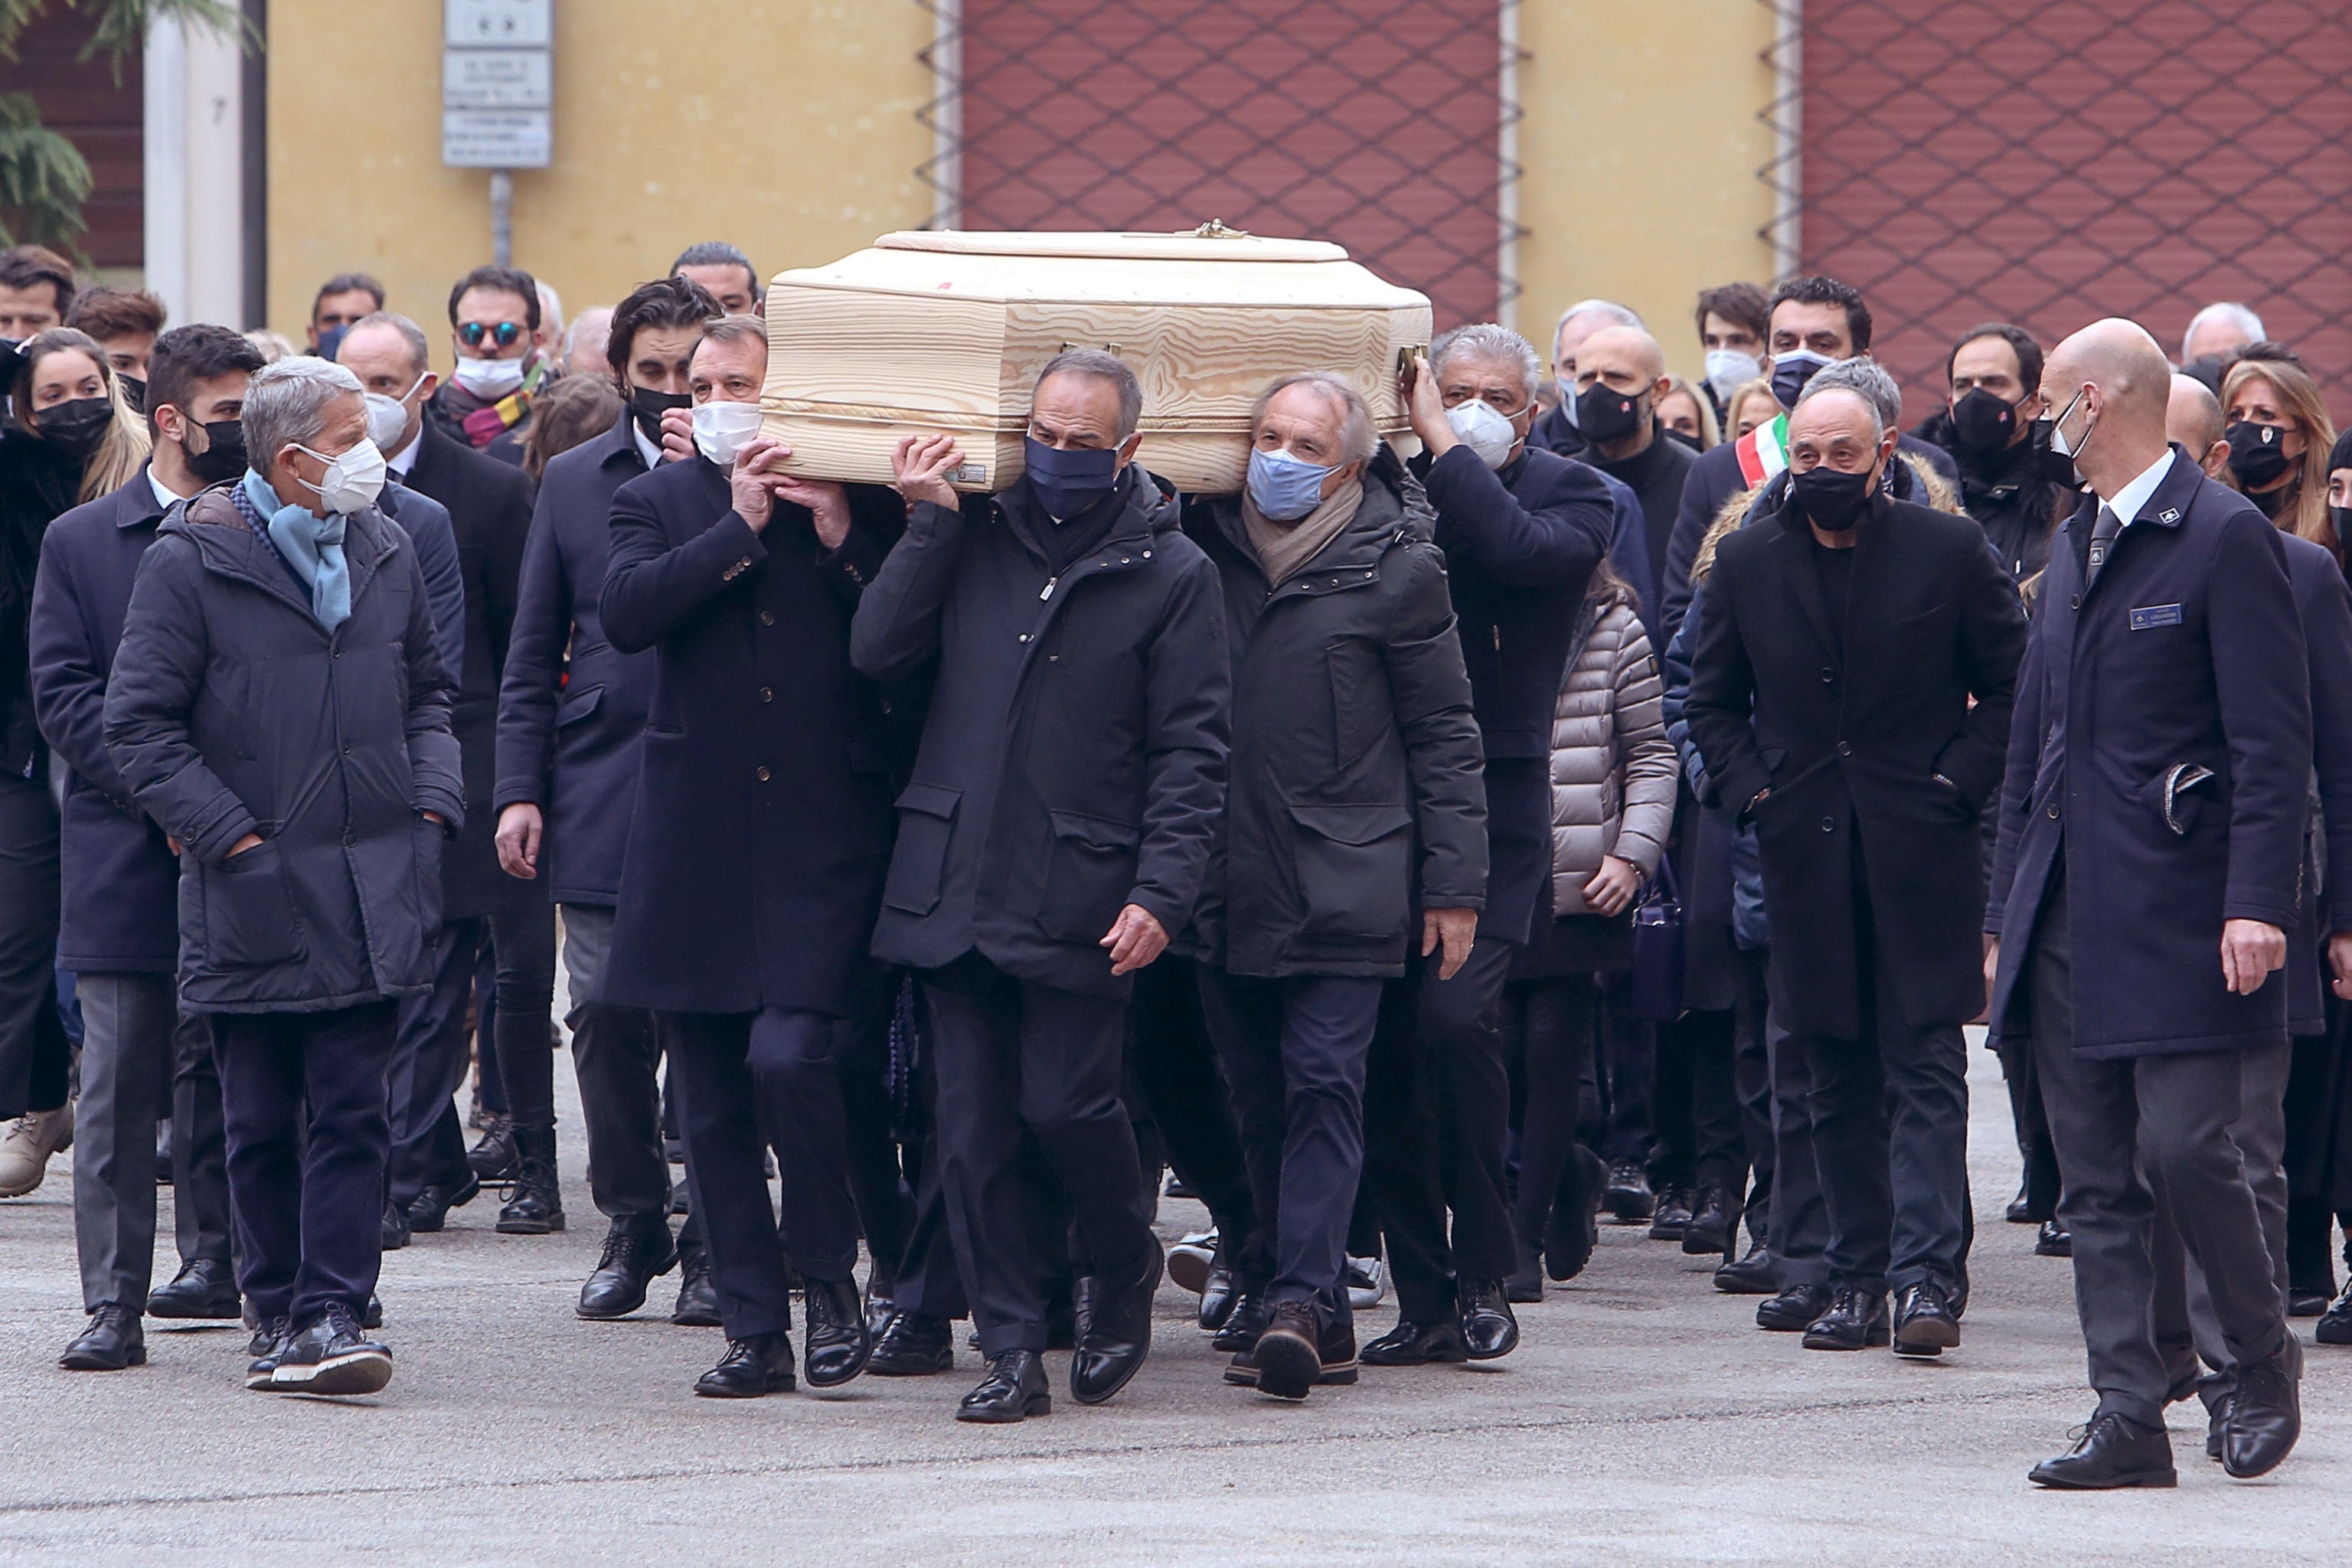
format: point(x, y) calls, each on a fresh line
point(948, 331)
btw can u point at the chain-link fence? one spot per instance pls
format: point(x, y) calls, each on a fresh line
point(2049, 162)
point(1382, 125)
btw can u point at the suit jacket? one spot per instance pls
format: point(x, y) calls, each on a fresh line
point(1869, 746)
point(2185, 652)
point(489, 506)
point(762, 822)
point(426, 523)
point(572, 707)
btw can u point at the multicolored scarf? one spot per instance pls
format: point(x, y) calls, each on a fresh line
point(485, 422)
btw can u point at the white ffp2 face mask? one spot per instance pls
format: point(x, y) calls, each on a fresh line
point(1728, 370)
point(1485, 429)
point(352, 480)
point(489, 378)
point(721, 430)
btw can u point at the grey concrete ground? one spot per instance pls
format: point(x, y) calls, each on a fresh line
point(1645, 1420)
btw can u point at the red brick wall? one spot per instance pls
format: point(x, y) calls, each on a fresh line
point(102, 117)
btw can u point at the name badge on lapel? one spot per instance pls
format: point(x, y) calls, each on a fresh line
point(2152, 615)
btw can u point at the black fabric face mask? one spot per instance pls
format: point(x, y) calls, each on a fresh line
point(223, 457)
point(75, 427)
point(1685, 437)
point(1067, 481)
point(2257, 453)
point(1830, 499)
point(134, 392)
point(1604, 413)
point(2341, 516)
point(1983, 421)
point(648, 407)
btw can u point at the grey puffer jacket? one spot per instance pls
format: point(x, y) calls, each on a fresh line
point(1612, 768)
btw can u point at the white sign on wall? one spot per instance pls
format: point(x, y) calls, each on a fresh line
point(497, 84)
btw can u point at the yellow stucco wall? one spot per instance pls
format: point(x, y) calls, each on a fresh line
point(788, 127)
point(1640, 145)
point(784, 126)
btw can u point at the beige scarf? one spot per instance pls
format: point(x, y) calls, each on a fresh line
point(1284, 547)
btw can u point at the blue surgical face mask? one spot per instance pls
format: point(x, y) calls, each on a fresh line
point(1067, 480)
point(1285, 488)
point(1791, 368)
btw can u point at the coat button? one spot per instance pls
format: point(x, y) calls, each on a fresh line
point(767, 617)
point(2053, 808)
point(760, 773)
point(1829, 825)
point(1827, 675)
point(1844, 750)
point(767, 694)
point(2074, 603)
point(1025, 636)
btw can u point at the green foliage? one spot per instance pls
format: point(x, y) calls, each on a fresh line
point(119, 25)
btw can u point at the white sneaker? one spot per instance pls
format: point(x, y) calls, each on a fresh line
point(1189, 1260)
point(25, 1148)
point(1367, 1280)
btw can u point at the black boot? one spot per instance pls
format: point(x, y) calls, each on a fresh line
point(697, 1297)
point(632, 1258)
point(1013, 1390)
point(205, 1287)
point(429, 1210)
point(761, 1365)
point(1673, 1213)
point(838, 1345)
point(537, 1208)
point(493, 1158)
point(112, 1342)
point(1713, 1222)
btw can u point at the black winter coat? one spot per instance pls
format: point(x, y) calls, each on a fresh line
point(2006, 493)
point(1074, 758)
point(761, 822)
point(1356, 795)
point(1866, 734)
point(118, 876)
point(1520, 543)
point(2323, 604)
point(35, 487)
point(489, 506)
point(570, 730)
point(2186, 652)
point(232, 711)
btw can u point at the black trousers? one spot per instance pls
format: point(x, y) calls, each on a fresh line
point(886, 1206)
point(929, 1283)
point(36, 1058)
point(428, 1064)
point(517, 1011)
point(302, 1099)
point(1751, 1083)
point(1294, 1051)
point(1700, 1139)
point(1799, 1235)
point(1626, 1071)
point(1437, 1107)
point(743, 1079)
point(2131, 1133)
point(1554, 1021)
point(2311, 1160)
point(1028, 1097)
point(2032, 1123)
point(140, 1053)
point(1171, 1067)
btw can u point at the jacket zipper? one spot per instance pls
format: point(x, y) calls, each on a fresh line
point(1049, 589)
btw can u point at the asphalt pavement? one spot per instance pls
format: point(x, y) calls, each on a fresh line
point(1643, 1420)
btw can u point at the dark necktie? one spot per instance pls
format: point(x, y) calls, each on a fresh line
point(2102, 544)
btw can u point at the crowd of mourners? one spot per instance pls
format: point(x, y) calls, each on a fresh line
point(1615, 810)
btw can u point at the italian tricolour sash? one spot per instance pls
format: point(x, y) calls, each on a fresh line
point(1764, 451)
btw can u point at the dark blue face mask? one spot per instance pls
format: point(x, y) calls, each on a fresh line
point(1068, 480)
point(331, 340)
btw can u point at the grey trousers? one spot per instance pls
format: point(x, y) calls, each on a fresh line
point(137, 1049)
point(616, 1056)
point(2134, 1135)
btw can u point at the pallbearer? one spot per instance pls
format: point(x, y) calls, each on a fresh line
point(755, 852)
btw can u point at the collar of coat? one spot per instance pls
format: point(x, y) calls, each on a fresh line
point(226, 547)
point(1914, 481)
point(1396, 511)
point(2167, 506)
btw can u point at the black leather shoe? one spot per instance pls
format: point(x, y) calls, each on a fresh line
point(1417, 1345)
point(838, 1346)
point(430, 1209)
point(1673, 1214)
point(493, 1158)
point(332, 1356)
point(1117, 1336)
point(2334, 1325)
point(1925, 1324)
point(537, 1207)
point(1288, 1357)
point(395, 1226)
point(1856, 1320)
point(698, 1298)
point(1754, 1275)
point(912, 1345)
point(270, 1343)
point(1013, 1390)
point(1524, 1284)
point(1714, 1225)
point(373, 1317)
point(203, 1287)
point(1575, 1228)
point(112, 1342)
point(1793, 1309)
point(2307, 1300)
point(2055, 1240)
point(2217, 1426)
point(1489, 1329)
point(1218, 1297)
point(2265, 1413)
point(2021, 1210)
point(2112, 1453)
point(1627, 1195)
point(1243, 1324)
point(632, 1260)
point(761, 1365)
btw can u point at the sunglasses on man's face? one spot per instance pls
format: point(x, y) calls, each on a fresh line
point(505, 335)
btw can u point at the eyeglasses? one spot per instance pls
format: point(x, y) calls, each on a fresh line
point(505, 335)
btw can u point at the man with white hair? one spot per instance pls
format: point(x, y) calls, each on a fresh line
point(2219, 328)
point(307, 850)
point(1863, 736)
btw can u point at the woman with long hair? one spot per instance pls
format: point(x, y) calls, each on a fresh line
point(2279, 436)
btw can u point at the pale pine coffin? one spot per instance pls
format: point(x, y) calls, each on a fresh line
point(948, 331)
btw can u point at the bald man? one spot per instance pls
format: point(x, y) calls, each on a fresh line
point(1621, 374)
point(2193, 421)
point(1850, 694)
point(2158, 772)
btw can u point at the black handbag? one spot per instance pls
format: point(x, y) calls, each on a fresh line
point(1653, 987)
